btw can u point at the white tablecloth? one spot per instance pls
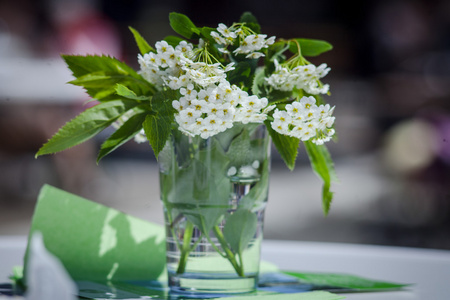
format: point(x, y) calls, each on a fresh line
point(428, 270)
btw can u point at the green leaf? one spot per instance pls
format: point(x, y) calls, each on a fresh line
point(242, 73)
point(182, 25)
point(86, 125)
point(352, 282)
point(248, 17)
point(173, 40)
point(122, 135)
point(310, 47)
point(204, 200)
point(275, 52)
point(125, 92)
point(157, 127)
point(157, 130)
point(99, 80)
point(239, 229)
point(142, 44)
point(100, 74)
point(323, 166)
point(206, 33)
point(211, 187)
point(239, 150)
point(259, 83)
point(83, 65)
point(252, 22)
point(286, 146)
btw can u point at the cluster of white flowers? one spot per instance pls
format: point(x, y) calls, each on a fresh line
point(249, 42)
point(306, 77)
point(165, 67)
point(213, 109)
point(209, 103)
point(305, 120)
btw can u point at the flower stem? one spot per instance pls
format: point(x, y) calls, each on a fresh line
point(230, 255)
point(185, 248)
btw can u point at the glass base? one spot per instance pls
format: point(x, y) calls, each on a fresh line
point(210, 285)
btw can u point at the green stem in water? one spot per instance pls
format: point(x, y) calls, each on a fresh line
point(230, 255)
point(215, 247)
point(241, 260)
point(186, 247)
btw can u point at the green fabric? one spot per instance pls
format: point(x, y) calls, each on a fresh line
point(95, 242)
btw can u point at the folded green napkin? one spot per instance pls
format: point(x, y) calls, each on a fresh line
point(95, 242)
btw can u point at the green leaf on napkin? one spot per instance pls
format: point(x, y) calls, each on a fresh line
point(345, 281)
point(95, 242)
point(317, 295)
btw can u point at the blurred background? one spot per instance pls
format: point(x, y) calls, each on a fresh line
point(390, 82)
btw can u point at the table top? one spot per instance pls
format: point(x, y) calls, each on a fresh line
point(428, 270)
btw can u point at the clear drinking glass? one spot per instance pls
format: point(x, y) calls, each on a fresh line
point(214, 192)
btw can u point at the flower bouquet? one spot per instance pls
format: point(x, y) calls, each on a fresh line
point(209, 103)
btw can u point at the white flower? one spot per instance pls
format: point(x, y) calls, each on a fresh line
point(163, 47)
point(223, 29)
point(255, 55)
point(184, 48)
point(218, 38)
point(308, 103)
point(140, 137)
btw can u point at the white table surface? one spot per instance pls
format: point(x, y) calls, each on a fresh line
point(428, 270)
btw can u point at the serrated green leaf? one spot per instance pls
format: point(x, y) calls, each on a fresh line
point(157, 127)
point(310, 47)
point(142, 44)
point(258, 83)
point(99, 75)
point(157, 130)
point(82, 65)
point(323, 166)
point(122, 135)
point(239, 229)
point(86, 125)
point(125, 92)
point(286, 146)
point(99, 80)
point(182, 25)
point(161, 103)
